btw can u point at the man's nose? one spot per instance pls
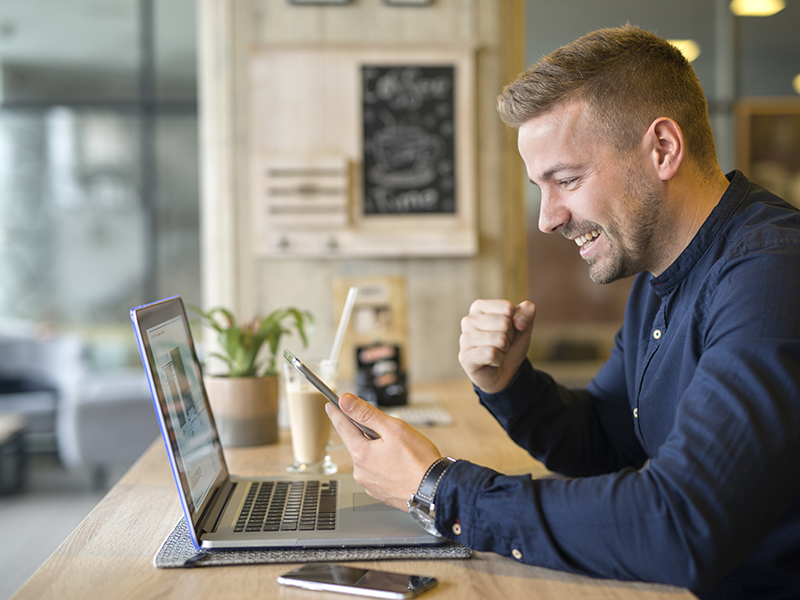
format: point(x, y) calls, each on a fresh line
point(553, 215)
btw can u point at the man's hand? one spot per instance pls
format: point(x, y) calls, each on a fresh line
point(495, 337)
point(392, 467)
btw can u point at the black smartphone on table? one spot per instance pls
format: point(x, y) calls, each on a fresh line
point(361, 582)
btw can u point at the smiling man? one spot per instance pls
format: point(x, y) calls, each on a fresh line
point(683, 453)
point(611, 204)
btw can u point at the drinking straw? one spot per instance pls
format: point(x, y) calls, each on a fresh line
point(348, 308)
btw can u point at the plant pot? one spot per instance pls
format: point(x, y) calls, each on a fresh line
point(245, 409)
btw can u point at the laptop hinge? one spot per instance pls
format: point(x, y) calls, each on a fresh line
point(210, 521)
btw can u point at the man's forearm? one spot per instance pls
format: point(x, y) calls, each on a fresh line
point(557, 426)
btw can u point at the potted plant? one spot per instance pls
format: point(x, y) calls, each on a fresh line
point(244, 398)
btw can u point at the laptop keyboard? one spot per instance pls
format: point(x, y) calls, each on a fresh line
point(288, 506)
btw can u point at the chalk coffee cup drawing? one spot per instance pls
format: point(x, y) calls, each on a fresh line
point(309, 423)
point(405, 155)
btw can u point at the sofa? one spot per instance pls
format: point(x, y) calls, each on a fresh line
point(100, 419)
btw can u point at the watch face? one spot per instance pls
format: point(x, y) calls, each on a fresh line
point(424, 520)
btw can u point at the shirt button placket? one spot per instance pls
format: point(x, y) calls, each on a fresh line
point(656, 335)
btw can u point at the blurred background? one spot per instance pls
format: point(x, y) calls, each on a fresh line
point(100, 211)
point(98, 163)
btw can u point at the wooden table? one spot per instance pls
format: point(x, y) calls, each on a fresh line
point(110, 555)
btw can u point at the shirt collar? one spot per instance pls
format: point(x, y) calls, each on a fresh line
point(705, 237)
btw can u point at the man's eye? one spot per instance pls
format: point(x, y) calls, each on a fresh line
point(568, 181)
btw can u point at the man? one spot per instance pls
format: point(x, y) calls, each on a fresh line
point(684, 450)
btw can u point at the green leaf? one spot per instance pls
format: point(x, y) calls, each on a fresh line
point(242, 343)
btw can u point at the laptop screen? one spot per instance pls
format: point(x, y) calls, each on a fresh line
point(177, 380)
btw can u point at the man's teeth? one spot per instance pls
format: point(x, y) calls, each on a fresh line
point(586, 237)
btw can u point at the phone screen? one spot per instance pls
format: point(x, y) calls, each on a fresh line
point(362, 582)
point(314, 380)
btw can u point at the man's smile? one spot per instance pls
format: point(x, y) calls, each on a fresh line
point(587, 239)
point(584, 239)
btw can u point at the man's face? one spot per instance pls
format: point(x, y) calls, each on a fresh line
point(589, 195)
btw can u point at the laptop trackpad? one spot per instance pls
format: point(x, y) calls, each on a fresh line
point(363, 501)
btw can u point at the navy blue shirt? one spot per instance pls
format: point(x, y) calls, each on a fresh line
point(683, 454)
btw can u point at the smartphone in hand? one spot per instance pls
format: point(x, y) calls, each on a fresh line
point(325, 391)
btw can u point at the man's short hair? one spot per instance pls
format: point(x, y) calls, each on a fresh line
point(627, 77)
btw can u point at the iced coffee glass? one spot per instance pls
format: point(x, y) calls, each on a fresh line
point(309, 423)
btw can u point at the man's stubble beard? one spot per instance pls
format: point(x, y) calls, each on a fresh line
point(640, 207)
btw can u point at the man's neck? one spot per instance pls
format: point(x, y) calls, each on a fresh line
point(690, 197)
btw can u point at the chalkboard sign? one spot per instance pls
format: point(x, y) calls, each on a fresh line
point(409, 145)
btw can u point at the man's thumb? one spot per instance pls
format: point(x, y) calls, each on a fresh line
point(356, 408)
point(524, 314)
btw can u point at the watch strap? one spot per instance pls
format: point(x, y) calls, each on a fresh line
point(427, 488)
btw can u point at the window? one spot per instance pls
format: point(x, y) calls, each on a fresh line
point(99, 191)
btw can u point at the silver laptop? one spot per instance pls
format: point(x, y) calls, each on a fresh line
point(225, 511)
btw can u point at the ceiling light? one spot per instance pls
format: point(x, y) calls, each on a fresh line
point(689, 48)
point(756, 8)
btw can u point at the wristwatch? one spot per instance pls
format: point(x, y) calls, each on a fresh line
point(421, 506)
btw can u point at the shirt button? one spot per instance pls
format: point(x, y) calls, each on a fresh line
point(657, 334)
point(457, 528)
point(516, 554)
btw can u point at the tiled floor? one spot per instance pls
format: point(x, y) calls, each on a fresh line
point(33, 523)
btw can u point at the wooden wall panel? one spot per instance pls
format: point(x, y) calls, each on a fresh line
point(439, 290)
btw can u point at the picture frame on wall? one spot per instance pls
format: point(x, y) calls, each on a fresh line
point(409, 130)
point(407, 2)
point(768, 144)
point(318, 2)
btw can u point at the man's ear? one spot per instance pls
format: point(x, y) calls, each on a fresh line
point(665, 147)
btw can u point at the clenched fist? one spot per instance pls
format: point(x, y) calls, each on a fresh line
point(495, 337)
